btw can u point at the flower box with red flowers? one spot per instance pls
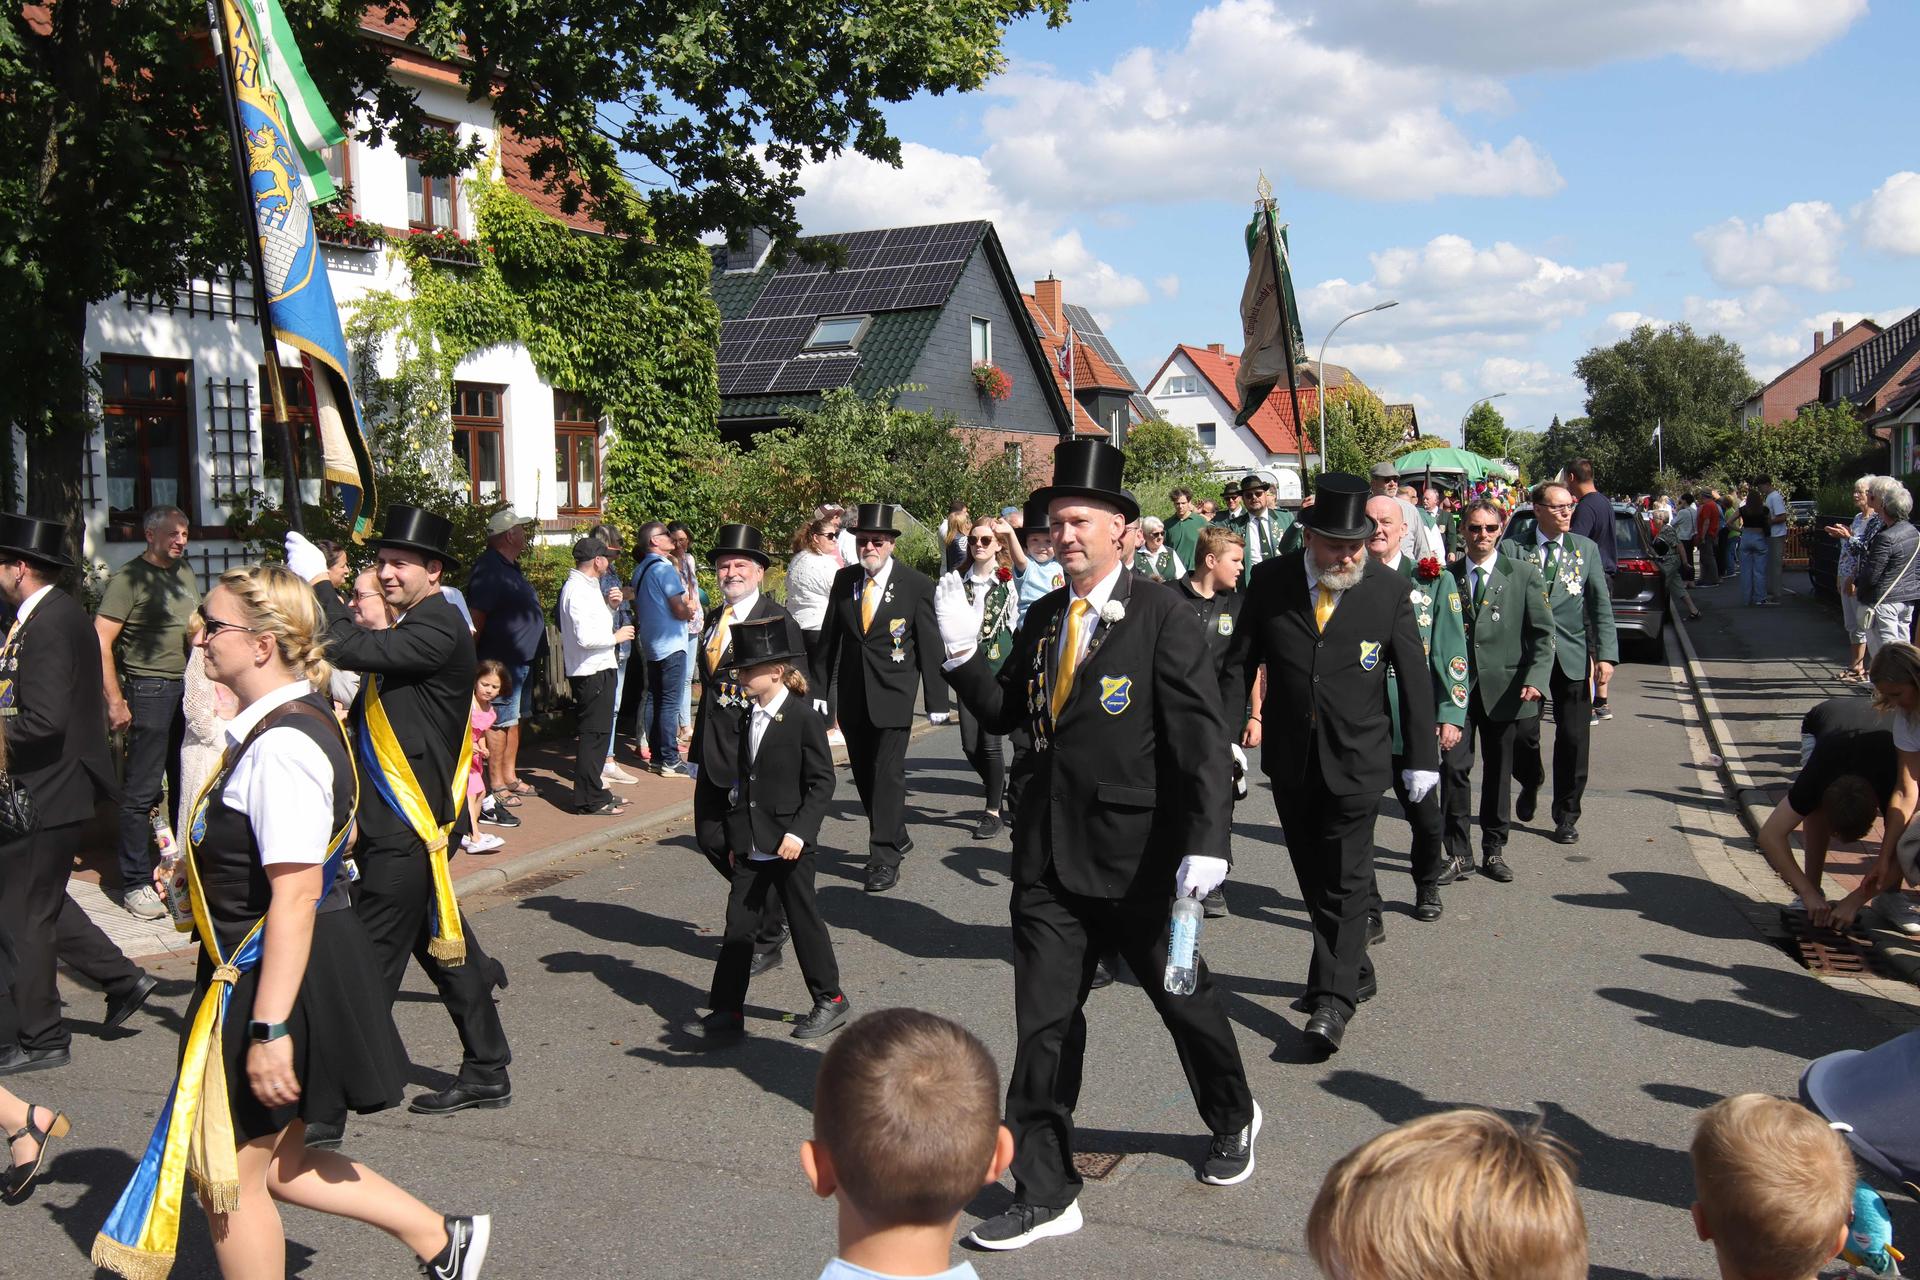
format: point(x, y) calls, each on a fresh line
point(335, 224)
point(991, 381)
point(442, 245)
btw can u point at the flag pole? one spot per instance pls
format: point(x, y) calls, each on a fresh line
point(283, 426)
point(1286, 337)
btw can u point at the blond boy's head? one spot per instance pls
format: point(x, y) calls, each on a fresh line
point(906, 1119)
point(1775, 1187)
point(1461, 1195)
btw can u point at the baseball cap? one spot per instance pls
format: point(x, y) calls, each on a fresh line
point(588, 549)
point(505, 519)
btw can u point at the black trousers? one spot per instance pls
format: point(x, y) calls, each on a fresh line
point(821, 679)
point(1496, 739)
point(1429, 846)
point(1330, 841)
point(394, 900)
point(878, 758)
point(153, 760)
point(46, 926)
point(1056, 937)
point(987, 753)
point(1018, 771)
point(757, 887)
point(593, 713)
point(710, 835)
point(1572, 732)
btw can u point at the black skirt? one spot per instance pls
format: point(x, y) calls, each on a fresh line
point(347, 1054)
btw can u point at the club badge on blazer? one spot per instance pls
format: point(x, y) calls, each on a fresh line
point(1116, 693)
point(1369, 654)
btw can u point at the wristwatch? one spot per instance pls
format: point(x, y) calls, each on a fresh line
point(262, 1032)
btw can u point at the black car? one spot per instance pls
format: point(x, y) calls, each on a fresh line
point(1639, 591)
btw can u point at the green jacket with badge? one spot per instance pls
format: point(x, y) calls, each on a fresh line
point(1262, 545)
point(1510, 634)
point(1579, 598)
point(1443, 633)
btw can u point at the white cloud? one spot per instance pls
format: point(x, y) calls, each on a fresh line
point(1797, 245)
point(1525, 378)
point(1169, 286)
point(1890, 218)
point(1623, 322)
point(1374, 357)
point(1501, 36)
point(1737, 316)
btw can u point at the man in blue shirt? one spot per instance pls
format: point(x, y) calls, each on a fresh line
point(662, 607)
point(510, 627)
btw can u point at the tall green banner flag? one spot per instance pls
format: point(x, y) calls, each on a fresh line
point(1270, 317)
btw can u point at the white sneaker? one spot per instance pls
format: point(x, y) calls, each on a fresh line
point(614, 773)
point(143, 902)
point(1899, 911)
point(482, 842)
point(836, 738)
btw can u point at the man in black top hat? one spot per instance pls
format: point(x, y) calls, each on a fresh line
point(53, 712)
point(1127, 803)
point(422, 668)
point(1330, 624)
point(739, 559)
point(882, 644)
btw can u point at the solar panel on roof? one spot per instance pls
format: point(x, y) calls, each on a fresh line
point(1088, 331)
point(815, 373)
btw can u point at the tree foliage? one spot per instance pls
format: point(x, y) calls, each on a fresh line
point(1671, 377)
point(1801, 454)
point(1359, 432)
point(1486, 431)
point(1162, 457)
point(1418, 443)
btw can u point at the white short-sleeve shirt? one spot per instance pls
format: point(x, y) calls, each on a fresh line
point(284, 784)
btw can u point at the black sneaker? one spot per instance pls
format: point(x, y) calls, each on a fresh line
point(466, 1250)
point(1214, 905)
point(1022, 1224)
point(499, 816)
point(826, 1016)
point(1230, 1159)
point(988, 828)
point(1603, 711)
point(1376, 930)
point(717, 1030)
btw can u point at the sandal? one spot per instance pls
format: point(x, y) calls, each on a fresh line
point(507, 797)
point(20, 1177)
point(521, 787)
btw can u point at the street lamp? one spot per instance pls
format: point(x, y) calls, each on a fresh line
point(1321, 365)
point(1470, 408)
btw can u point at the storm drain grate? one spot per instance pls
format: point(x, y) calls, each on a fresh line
point(1827, 951)
point(1096, 1166)
point(536, 882)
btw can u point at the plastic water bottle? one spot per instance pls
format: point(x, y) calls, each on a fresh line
point(1183, 947)
point(173, 866)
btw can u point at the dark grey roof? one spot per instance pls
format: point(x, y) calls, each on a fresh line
point(1876, 360)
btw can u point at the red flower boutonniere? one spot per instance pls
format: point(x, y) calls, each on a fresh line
point(1004, 574)
point(1428, 568)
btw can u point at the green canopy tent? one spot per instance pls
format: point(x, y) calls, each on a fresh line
point(1447, 462)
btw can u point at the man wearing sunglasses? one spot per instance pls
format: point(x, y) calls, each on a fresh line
point(1509, 655)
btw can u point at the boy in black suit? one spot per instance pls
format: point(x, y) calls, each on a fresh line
point(785, 783)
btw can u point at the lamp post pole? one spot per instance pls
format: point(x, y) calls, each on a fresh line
point(1320, 367)
point(1469, 413)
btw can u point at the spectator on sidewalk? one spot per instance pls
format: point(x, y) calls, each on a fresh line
point(142, 637)
point(1853, 545)
point(1183, 531)
point(809, 585)
point(1155, 559)
point(662, 607)
point(1753, 546)
point(1888, 577)
point(1730, 528)
point(511, 627)
point(1592, 513)
point(489, 683)
point(1686, 528)
point(954, 531)
point(1849, 773)
point(207, 708)
point(1776, 534)
point(689, 568)
point(588, 639)
point(1707, 538)
point(1667, 548)
point(337, 568)
point(622, 616)
point(1774, 1188)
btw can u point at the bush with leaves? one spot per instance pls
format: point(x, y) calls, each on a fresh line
point(1359, 431)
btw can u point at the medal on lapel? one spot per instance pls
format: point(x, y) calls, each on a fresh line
point(897, 633)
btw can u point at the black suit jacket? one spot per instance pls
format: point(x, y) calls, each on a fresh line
point(425, 667)
point(1136, 773)
point(57, 736)
point(787, 788)
point(869, 677)
point(1327, 693)
point(717, 721)
point(1219, 615)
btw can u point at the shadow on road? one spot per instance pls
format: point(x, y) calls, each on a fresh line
point(1688, 903)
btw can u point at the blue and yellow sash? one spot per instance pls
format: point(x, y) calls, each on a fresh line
point(393, 778)
point(194, 1136)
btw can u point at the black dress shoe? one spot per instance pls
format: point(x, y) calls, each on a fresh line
point(988, 828)
point(1529, 800)
point(882, 878)
point(1496, 868)
point(1427, 906)
point(1326, 1028)
point(1376, 930)
point(1450, 870)
point(827, 1016)
point(1363, 993)
point(126, 1005)
point(1102, 974)
point(717, 1030)
point(906, 846)
point(1565, 834)
point(15, 1059)
point(326, 1135)
point(763, 961)
point(461, 1095)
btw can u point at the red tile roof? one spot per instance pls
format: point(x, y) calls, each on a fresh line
point(1089, 369)
point(514, 153)
point(1272, 423)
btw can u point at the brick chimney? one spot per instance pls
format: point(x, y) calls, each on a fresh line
point(1839, 327)
point(1047, 294)
point(1819, 340)
point(1217, 348)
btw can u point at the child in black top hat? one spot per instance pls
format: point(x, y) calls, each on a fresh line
point(786, 782)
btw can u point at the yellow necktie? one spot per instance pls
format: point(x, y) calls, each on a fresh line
point(1322, 606)
point(1070, 658)
point(717, 644)
point(866, 604)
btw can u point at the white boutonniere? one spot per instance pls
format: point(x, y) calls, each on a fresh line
point(1112, 611)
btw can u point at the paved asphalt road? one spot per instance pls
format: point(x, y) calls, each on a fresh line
point(1611, 990)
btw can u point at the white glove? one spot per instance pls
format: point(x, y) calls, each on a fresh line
point(1239, 771)
point(938, 717)
point(820, 705)
point(959, 619)
point(1199, 876)
point(306, 560)
point(1418, 783)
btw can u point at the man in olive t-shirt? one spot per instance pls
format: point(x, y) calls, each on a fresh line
point(142, 624)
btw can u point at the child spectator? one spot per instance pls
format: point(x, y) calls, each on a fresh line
point(906, 1130)
point(1460, 1195)
point(490, 681)
point(1775, 1185)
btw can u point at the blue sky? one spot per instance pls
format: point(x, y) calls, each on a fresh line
point(1528, 178)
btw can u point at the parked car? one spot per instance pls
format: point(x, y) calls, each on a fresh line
point(1639, 592)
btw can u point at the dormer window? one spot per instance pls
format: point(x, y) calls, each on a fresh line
point(837, 333)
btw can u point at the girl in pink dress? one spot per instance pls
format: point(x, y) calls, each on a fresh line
point(490, 681)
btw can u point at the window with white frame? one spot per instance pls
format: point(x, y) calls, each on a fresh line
point(837, 333)
point(1207, 431)
point(982, 341)
point(1180, 385)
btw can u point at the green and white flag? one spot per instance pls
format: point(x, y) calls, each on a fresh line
point(309, 125)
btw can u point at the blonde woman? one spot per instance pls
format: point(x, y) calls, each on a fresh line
point(289, 997)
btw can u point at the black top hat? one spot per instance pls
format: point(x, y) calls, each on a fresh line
point(761, 641)
point(418, 530)
point(1034, 516)
point(739, 540)
point(1089, 469)
point(1339, 507)
point(876, 517)
point(41, 541)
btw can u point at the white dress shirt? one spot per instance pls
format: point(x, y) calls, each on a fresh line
point(284, 784)
point(28, 605)
point(879, 577)
point(756, 730)
point(1313, 583)
point(1476, 570)
point(586, 626)
point(1096, 601)
point(739, 609)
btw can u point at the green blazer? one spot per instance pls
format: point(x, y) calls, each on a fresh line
point(1509, 638)
point(1437, 610)
point(1579, 598)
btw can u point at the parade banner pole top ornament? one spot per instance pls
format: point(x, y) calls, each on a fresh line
point(1275, 347)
